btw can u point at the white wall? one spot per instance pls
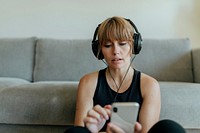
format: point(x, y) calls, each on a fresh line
point(72, 19)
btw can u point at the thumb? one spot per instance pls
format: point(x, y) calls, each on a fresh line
point(138, 127)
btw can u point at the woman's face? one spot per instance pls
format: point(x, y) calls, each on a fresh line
point(117, 54)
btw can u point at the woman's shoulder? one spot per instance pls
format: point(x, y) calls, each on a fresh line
point(149, 83)
point(87, 84)
point(89, 80)
point(93, 76)
point(89, 76)
point(147, 78)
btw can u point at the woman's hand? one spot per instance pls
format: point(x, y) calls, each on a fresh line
point(96, 118)
point(112, 128)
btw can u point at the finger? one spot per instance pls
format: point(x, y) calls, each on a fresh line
point(108, 130)
point(108, 109)
point(114, 129)
point(90, 120)
point(101, 111)
point(95, 115)
point(138, 127)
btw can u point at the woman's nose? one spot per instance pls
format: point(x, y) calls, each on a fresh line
point(116, 49)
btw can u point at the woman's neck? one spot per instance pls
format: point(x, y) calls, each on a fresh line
point(117, 77)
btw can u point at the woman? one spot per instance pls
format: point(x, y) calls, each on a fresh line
point(118, 82)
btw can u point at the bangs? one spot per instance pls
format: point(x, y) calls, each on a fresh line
point(115, 32)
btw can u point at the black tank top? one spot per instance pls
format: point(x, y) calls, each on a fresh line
point(104, 95)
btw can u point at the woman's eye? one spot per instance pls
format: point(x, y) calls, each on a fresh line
point(122, 43)
point(107, 46)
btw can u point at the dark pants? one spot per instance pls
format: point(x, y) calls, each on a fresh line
point(163, 126)
point(77, 129)
point(167, 126)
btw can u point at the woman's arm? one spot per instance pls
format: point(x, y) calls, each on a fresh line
point(150, 110)
point(86, 115)
point(85, 93)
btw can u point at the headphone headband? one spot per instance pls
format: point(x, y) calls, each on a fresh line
point(134, 26)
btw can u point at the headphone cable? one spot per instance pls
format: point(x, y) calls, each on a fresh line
point(118, 87)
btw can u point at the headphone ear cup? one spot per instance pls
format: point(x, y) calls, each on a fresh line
point(95, 49)
point(137, 43)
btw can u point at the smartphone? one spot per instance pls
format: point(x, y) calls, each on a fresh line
point(124, 115)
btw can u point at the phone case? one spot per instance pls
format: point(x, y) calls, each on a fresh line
point(125, 115)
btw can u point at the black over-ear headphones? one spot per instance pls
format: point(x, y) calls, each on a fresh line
point(136, 37)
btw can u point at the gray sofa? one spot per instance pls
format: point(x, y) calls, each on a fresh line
point(39, 78)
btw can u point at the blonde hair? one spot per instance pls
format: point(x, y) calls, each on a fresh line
point(115, 28)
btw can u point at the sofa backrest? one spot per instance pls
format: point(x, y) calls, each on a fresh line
point(64, 60)
point(17, 57)
point(69, 60)
point(166, 59)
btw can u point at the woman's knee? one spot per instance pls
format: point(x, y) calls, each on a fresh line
point(167, 126)
point(77, 129)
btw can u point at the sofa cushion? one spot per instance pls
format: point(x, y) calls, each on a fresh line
point(180, 103)
point(166, 59)
point(64, 60)
point(17, 57)
point(42, 103)
point(196, 64)
point(23, 128)
point(11, 82)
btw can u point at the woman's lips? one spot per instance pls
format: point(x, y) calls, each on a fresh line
point(116, 60)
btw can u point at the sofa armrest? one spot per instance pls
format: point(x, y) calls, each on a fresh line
point(196, 65)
